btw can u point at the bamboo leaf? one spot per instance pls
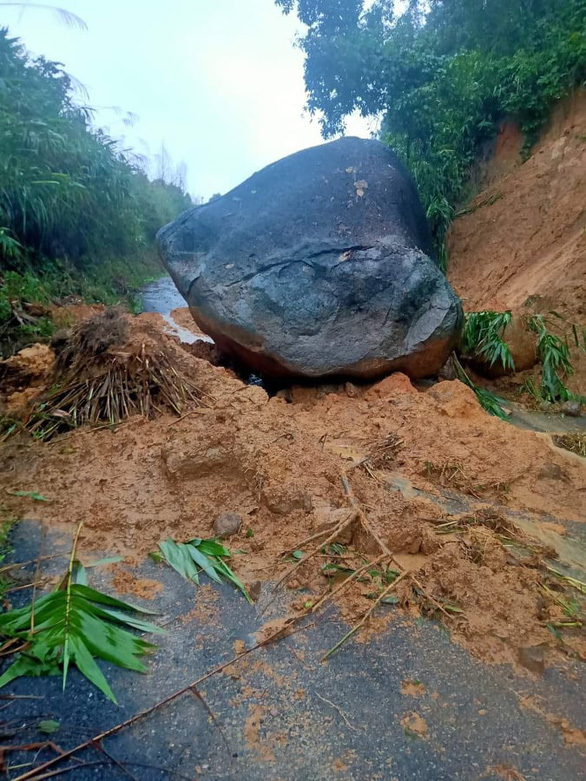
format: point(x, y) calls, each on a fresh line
point(177, 557)
point(105, 599)
point(204, 562)
point(87, 666)
point(209, 555)
point(76, 624)
point(37, 497)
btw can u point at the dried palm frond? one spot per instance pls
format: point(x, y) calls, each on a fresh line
point(104, 376)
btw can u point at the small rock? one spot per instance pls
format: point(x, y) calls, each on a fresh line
point(227, 525)
point(286, 394)
point(551, 471)
point(573, 408)
point(532, 657)
point(351, 390)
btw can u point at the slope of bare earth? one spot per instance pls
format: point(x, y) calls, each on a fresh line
point(525, 235)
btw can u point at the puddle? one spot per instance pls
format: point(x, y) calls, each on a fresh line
point(162, 296)
point(534, 420)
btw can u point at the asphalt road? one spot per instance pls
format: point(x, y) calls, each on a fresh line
point(281, 713)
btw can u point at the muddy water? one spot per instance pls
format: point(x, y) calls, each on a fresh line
point(162, 296)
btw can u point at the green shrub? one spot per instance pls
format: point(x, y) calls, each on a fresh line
point(482, 338)
point(78, 215)
point(442, 76)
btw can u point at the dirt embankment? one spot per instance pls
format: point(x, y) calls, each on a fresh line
point(524, 236)
point(435, 480)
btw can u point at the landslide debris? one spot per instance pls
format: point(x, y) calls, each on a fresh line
point(415, 495)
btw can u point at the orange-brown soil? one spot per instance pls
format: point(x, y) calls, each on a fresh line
point(423, 475)
point(522, 243)
point(22, 378)
point(525, 235)
point(280, 462)
point(183, 317)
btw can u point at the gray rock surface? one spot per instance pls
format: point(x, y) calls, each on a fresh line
point(320, 264)
point(573, 408)
point(227, 525)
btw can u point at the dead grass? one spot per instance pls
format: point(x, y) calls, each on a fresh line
point(453, 475)
point(575, 443)
point(105, 375)
point(382, 454)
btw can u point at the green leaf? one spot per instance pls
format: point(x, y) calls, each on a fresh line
point(30, 495)
point(105, 599)
point(211, 548)
point(209, 555)
point(87, 666)
point(74, 624)
point(49, 726)
point(177, 557)
point(204, 562)
point(27, 665)
point(124, 619)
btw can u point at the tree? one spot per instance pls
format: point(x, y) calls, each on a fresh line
point(442, 75)
point(68, 18)
point(67, 191)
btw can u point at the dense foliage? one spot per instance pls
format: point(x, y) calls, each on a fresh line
point(441, 75)
point(77, 213)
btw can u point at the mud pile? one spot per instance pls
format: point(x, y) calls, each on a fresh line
point(422, 483)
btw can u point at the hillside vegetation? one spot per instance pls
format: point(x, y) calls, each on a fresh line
point(78, 215)
point(442, 75)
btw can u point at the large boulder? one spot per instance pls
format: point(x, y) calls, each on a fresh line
point(320, 264)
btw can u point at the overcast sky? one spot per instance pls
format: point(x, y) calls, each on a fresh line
point(219, 82)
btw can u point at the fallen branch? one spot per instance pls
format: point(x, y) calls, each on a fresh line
point(362, 516)
point(331, 594)
point(339, 528)
point(364, 618)
point(32, 774)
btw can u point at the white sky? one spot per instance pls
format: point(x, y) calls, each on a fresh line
point(219, 82)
